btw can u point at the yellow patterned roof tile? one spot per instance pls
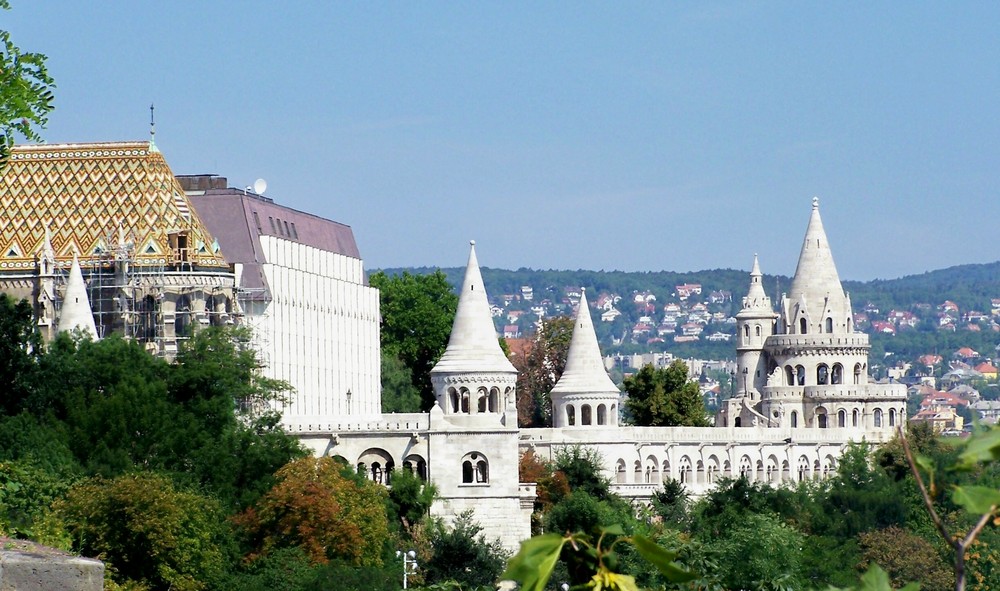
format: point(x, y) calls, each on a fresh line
point(83, 193)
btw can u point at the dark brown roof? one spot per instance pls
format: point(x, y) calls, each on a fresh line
point(237, 218)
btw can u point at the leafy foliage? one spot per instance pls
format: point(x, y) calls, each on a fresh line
point(25, 93)
point(539, 370)
point(462, 554)
point(147, 530)
point(417, 314)
point(318, 505)
point(665, 397)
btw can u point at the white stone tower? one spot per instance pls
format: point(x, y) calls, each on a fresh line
point(817, 365)
point(474, 378)
point(76, 312)
point(584, 395)
point(754, 323)
point(473, 436)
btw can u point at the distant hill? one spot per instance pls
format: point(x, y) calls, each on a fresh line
point(971, 287)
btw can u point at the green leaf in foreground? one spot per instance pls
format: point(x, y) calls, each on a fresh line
point(981, 447)
point(662, 559)
point(976, 499)
point(532, 565)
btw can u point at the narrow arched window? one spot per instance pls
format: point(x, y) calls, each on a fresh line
point(878, 417)
point(842, 418)
point(822, 374)
point(800, 374)
point(585, 418)
point(802, 326)
point(795, 419)
point(602, 415)
point(854, 418)
point(892, 417)
point(570, 415)
point(837, 376)
point(467, 472)
point(829, 325)
point(757, 330)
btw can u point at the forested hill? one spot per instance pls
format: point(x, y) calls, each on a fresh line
point(907, 317)
point(970, 286)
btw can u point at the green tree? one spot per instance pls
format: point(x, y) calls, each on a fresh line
point(760, 553)
point(20, 346)
point(906, 557)
point(147, 531)
point(665, 398)
point(417, 314)
point(463, 554)
point(25, 93)
point(539, 370)
point(318, 505)
point(398, 392)
point(410, 498)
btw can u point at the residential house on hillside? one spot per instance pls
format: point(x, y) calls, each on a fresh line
point(987, 410)
point(687, 290)
point(988, 370)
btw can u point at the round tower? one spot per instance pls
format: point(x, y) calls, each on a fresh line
point(754, 323)
point(474, 378)
point(584, 396)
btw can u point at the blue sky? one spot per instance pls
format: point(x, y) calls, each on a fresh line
point(576, 135)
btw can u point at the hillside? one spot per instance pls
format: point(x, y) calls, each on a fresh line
point(907, 317)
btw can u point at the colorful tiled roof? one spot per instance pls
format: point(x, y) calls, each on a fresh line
point(91, 196)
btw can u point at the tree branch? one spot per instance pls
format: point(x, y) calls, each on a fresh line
point(923, 492)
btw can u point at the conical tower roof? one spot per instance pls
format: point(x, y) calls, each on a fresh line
point(473, 345)
point(816, 281)
point(756, 298)
point(584, 371)
point(76, 312)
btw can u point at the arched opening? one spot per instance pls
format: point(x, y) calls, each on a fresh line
point(570, 415)
point(482, 400)
point(829, 325)
point(652, 474)
point(416, 465)
point(837, 376)
point(803, 468)
point(789, 375)
point(475, 469)
point(878, 417)
point(821, 418)
point(602, 414)
point(857, 373)
point(756, 329)
point(892, 417)
point(800, 375)
point(854, 417)
point(453, 398)
point(464, 393)
point(746, 333)
point(620, 471)
point(822, 374)
point(585, 415)
point(378, 462)
point(494, 400)
point(637, 472)
point(684, 470)
point(841, 418)
point(746, 468)
point(147, 320)
point(613, 416)
point(802, 326)
point(794, 418)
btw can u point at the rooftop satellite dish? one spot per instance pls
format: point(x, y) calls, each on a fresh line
point(259, 186)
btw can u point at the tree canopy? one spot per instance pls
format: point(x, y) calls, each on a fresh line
point(417, 314)
point(539, 369)
point(664, 397)
point(25, 93)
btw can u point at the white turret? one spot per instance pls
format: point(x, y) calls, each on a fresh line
point(473, 376)
point(76, 312)
point(816, 302)
point(584, 394)
point(754, 323)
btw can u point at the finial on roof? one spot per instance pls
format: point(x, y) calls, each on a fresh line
point(815, 202)
point(472, 243)
point(152, 128)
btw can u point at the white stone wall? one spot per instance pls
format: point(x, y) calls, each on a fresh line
point(320, 333)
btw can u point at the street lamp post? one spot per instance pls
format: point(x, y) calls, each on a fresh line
point(409, 564)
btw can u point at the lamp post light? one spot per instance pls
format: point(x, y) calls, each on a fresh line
point(409, 564)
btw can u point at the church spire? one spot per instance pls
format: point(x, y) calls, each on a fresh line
point(76, 312)
point(756, 298)
point(816, 295)
point(584, 372)
point(473, 345)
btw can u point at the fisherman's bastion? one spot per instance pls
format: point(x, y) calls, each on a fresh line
point(106, 238)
